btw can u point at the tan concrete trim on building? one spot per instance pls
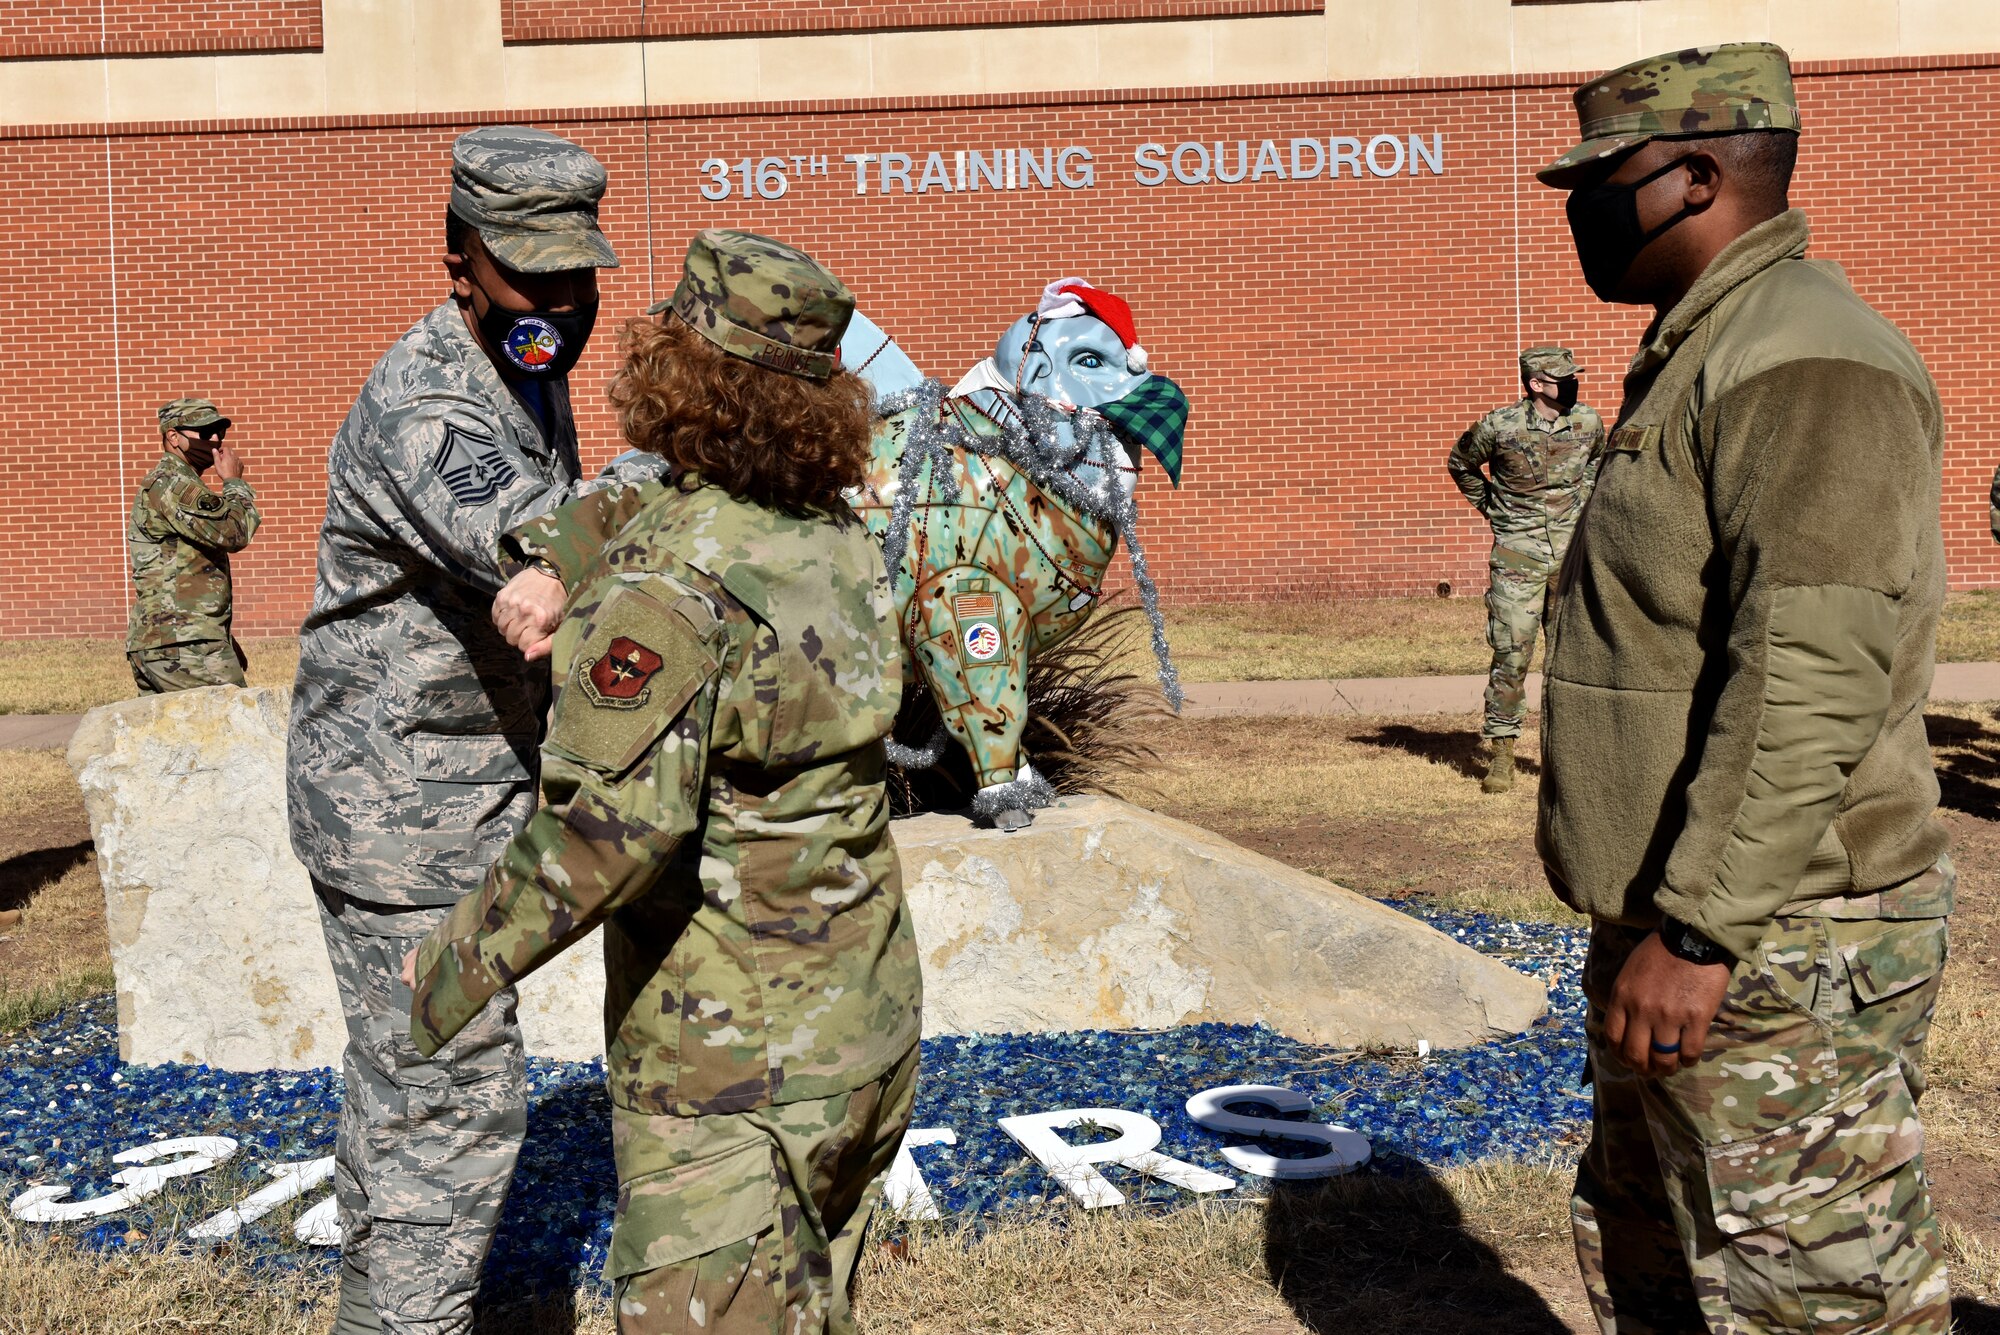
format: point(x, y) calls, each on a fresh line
point(392, 57)
point(1381, 39)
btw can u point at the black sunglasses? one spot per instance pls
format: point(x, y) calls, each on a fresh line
point(206, 432)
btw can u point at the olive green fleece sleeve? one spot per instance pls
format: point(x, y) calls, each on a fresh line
point(1822, 482)
point(1467, 457)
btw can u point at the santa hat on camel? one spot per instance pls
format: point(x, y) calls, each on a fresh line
point(1073, 296)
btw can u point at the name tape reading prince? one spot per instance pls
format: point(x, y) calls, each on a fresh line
point(1193, 162)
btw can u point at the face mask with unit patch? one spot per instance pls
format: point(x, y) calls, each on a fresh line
point(536, 345)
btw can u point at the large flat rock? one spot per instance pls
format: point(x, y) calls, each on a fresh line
point(1100, 915)
point(215, 939)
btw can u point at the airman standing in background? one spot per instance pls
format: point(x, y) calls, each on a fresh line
point(1539, 458)
point(179, 541)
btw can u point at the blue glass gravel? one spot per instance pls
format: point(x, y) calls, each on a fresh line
point(67, 1105)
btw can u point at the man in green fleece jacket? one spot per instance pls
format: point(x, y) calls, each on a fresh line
point(1736, 784)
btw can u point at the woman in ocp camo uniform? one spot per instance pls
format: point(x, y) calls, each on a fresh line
point(727, 670)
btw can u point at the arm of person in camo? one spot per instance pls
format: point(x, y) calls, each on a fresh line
point(450, 482)
point(224, 523)
point(1597, 442)
point(548, 555)
point(1467, 457)
point(569, 536)
point(622, 780)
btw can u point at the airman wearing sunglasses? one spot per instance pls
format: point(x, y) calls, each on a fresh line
point(180, 537)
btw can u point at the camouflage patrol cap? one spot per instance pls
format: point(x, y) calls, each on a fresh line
point(533, 198)
point(1702, 90)
point(763, 301)
point(181, 414)
point(1549, 360)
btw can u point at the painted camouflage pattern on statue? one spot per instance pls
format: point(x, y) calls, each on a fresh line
point(425, 1139)
point(186, 667)
point(414, 726)
point(1531, 479)
point(774, 961)
point(178, 542)
point(1007, 563)
point(751, 1221)
point(1029, 566)
point(533, 198)
point(763, 301)
point(1723, 89)
point(1788, 1160)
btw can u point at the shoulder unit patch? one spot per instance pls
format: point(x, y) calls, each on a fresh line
point(616, 679)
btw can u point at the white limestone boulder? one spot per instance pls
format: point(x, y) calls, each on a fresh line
point(1100, 915)
point(215, 939)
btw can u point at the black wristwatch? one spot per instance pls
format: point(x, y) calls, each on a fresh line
point(1686, 943)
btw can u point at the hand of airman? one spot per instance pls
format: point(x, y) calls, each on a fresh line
point(528, 610)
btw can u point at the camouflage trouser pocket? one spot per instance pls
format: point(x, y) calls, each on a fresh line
point(1804, 1157)
point(677, 1214)
point(1824, 1217)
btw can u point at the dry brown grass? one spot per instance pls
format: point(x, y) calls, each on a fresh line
point(62, 954)
point(1380, 805)
point(1369, 802)
point(1431, 1255)
point(1374, 1254)
point(1415, 637)
point(1970, 632)
point(71, 676)
point(57, 952)
point(47, 1285)
point(1277, 641)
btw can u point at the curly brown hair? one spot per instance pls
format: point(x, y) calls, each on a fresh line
point(782, 441)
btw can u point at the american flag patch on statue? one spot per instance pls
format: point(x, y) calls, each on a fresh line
point(967, 606)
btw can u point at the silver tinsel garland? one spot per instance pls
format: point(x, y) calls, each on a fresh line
point(1036, 446)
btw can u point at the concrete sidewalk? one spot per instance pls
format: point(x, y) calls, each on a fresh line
point(1955, 683)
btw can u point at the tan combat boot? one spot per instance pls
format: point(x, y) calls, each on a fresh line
point(1500, 769)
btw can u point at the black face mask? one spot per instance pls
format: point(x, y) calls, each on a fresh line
point(1566, 393)
point(1604, 223)
point(536, 345)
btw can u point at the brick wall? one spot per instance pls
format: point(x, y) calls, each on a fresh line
point(31, 29)
point(592, 20)
point(1334, 337)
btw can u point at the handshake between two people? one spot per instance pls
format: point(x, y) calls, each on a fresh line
point(528, 610)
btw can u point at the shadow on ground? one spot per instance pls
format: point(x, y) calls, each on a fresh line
point(1461, 750)
point(1392, 1256)
point(560, 1199)
point(23, 875)
point(1972, 1317)
point(1968, 763)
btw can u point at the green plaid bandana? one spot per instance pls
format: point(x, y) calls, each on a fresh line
point(1153, 415)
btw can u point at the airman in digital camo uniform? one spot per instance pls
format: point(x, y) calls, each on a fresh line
point(727, 672)
point(1539, 458)
point(179, 541)
point(1736, 785)
point(415, 725)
